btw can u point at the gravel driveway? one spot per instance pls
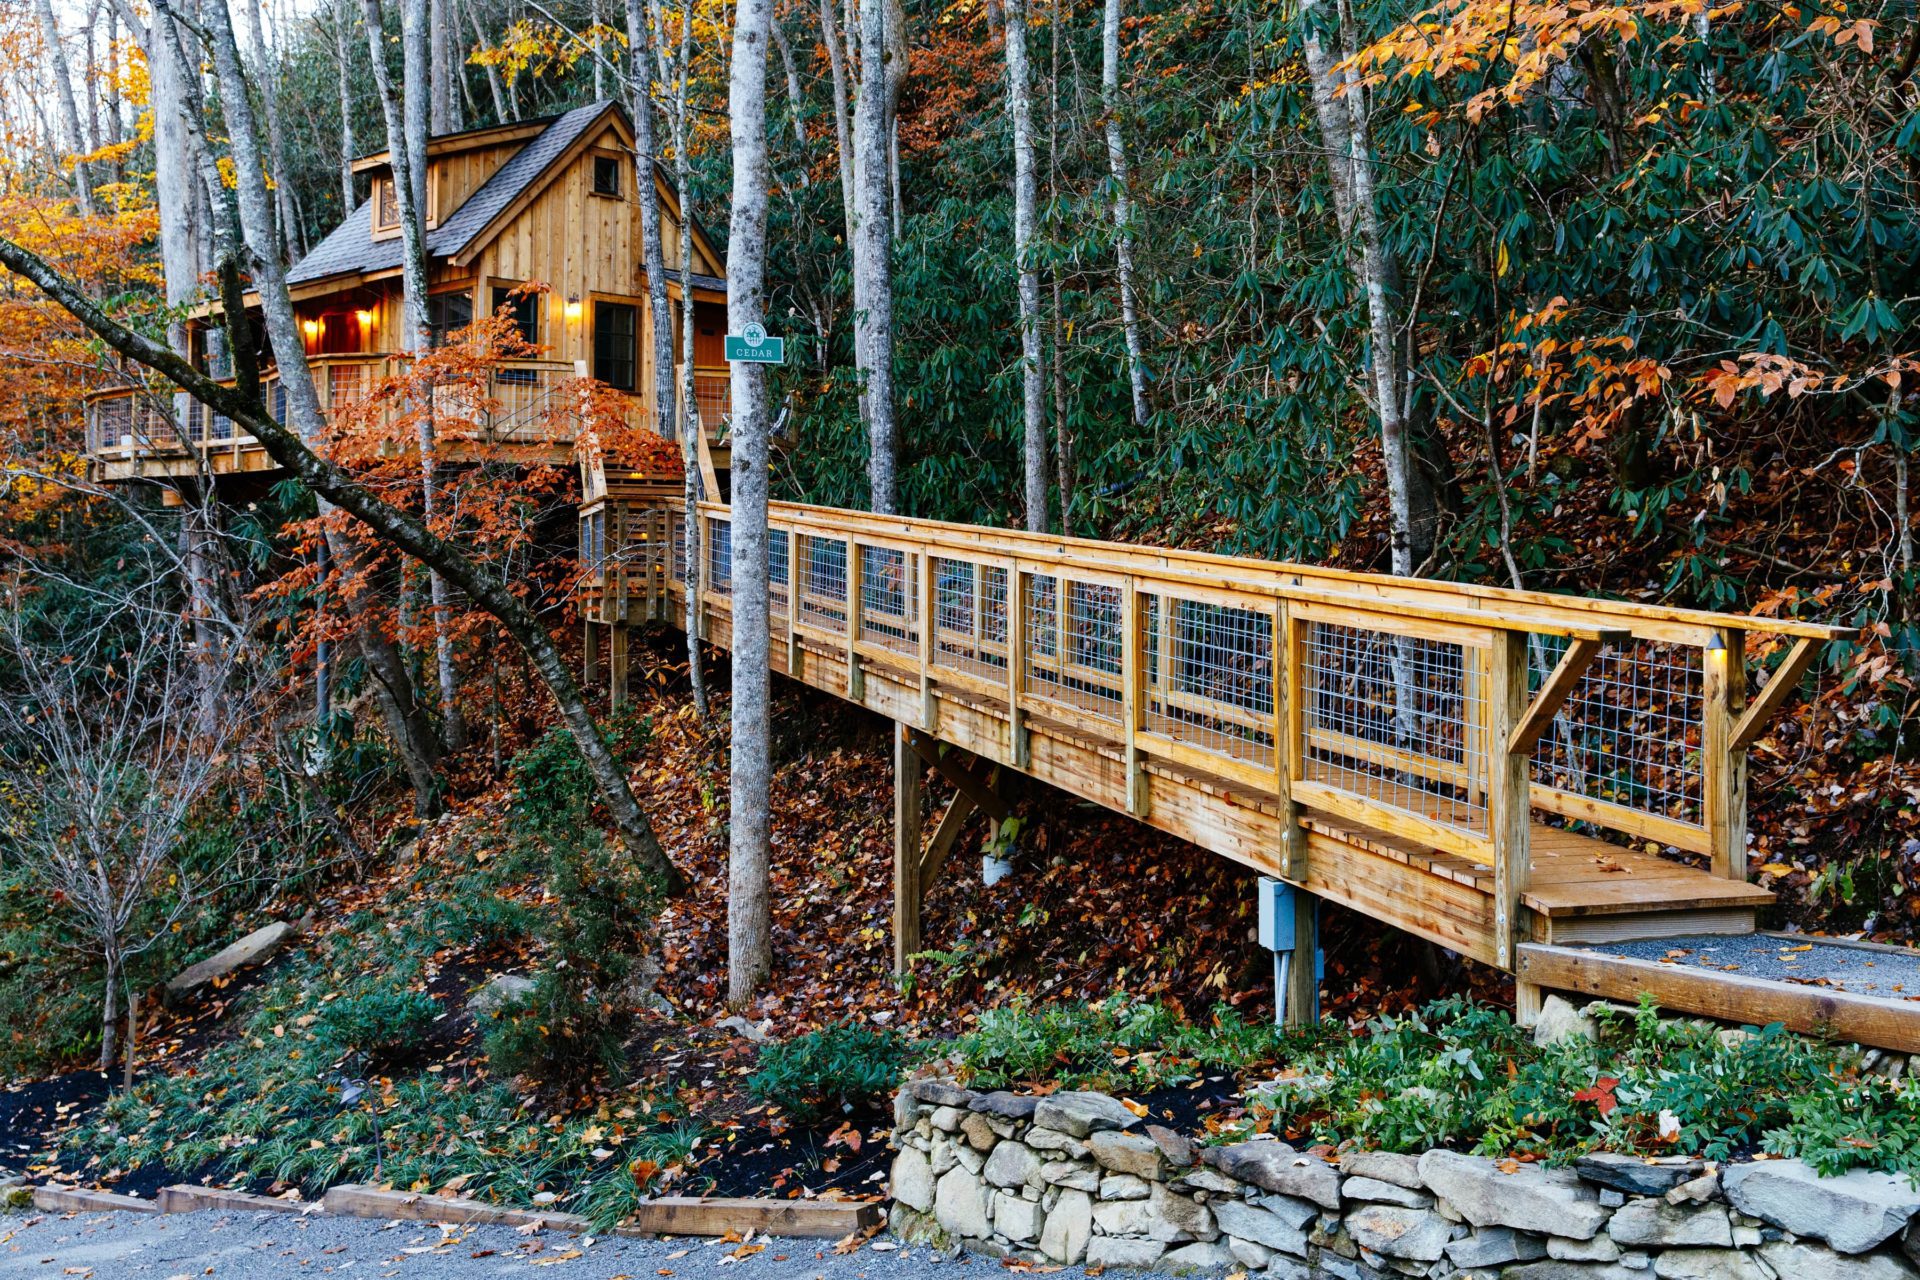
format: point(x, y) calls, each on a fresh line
point(271, 1246)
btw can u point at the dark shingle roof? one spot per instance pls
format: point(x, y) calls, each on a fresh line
point(352, 248)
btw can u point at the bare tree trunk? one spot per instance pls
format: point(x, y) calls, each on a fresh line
point(441, 104)
point(842, 117)
point(500, 113)
point(1122, 208)
point(640, 51)
point(796, 101)
point(267, 73)
point(873, 258)
point(749, 909)
point(76, 137)
point(343, 53)
point(1033, 375)
point(406, 145)
point(691, 427)
point(110, 1009)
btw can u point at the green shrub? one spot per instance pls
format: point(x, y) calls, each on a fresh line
point(551, 785)
point(1118, 1042)
point(574, 1022)
point(383, 1024)
point(835, 1069)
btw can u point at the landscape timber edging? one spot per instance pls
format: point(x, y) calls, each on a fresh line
point(1076, 1178)
point(665, 1215)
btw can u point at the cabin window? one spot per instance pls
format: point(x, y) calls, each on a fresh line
point(447, 314)
point(616, 334)
point(386, 206)
point(606, 175)
point(524, 308)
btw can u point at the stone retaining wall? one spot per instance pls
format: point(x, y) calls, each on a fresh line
point(1077, 1178)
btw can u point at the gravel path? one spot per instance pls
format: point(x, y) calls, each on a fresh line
point(271, 1246)
point(1890, 974)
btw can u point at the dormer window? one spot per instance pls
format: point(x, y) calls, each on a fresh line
point(606, 176)
point(386, 206)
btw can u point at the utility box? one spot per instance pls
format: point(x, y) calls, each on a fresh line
point(1278, 902)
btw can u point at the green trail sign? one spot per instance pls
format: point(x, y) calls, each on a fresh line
point(753, 346)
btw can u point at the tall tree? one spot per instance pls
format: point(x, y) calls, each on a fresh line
point(1025, 217)
point(646, 189)
point(873, 255)
point(676, 69)
point(267, 71)
point(1111, 103)
point(749, 909)
point(75, 134)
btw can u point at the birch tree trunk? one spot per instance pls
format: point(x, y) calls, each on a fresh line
point(689, 410)
point(266, 71)
point(873, 258)
point(407, 146)
point(1025, 198)
point(76, 135)
point(1122, 208)
point(500, 113)
point(640, 38)
point(749, 911)
point(441, 104)
point(795, 99)
point(343, 53)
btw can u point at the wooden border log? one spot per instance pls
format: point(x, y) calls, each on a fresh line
point(78, 1200)
point(185, 1198)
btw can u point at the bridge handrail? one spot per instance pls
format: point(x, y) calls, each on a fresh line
point(1437, 715)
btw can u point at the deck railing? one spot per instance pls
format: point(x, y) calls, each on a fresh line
point(1424, 715)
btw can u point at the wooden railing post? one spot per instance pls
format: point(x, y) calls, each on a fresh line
point(698, 548)
point(1133, 673)
point(929, 706)
point(1723, 762)
point(1287, 742)
point(1017, 745)
point(856, 683)
point(1509, 814)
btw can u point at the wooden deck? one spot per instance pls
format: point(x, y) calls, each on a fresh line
point(1486, 769)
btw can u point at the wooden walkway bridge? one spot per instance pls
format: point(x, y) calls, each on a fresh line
point(1496, 771)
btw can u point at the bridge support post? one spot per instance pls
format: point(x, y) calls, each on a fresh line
point(1723, 771)
point(1289, 926)
point(589, 653)
point(617, 667)
point(909, 883)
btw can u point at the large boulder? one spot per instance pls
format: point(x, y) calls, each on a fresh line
point(912, 1181)
point(1414, 1235)
point(960, 1204)
point(1659, 1225)
point(256, 947)
point(1133, 1153)
point(1802, 1261)
point(1013, 1164)
point(1275, 1166)
point(1529, 1198)
point(1853, 1212)
point(1243, 1221)
point(1069, 1227)
point(497, 993)
point(1079, 1114)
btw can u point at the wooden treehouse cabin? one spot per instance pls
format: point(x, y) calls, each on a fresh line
point(1531, 780)
point(547, 202)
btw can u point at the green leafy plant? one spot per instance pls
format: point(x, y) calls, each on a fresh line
point(380, 1025)
point(832, 1070)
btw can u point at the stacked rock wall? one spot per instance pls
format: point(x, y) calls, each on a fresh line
point(1078, 1178)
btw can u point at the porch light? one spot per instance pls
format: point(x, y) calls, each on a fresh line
point(573, 307)
point(311, 328)
point(365, 317)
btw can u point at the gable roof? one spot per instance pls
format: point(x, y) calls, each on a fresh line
point(351, 248)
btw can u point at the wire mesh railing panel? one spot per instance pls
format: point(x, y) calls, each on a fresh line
point(1397, 719)
point(1210, 677)
point(1074, 638)
point(822, 587)
point(720, 556)
point(889, 598)
point(970, 617)
point(1630, 733)
point(779, 559)
point(346, 385)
